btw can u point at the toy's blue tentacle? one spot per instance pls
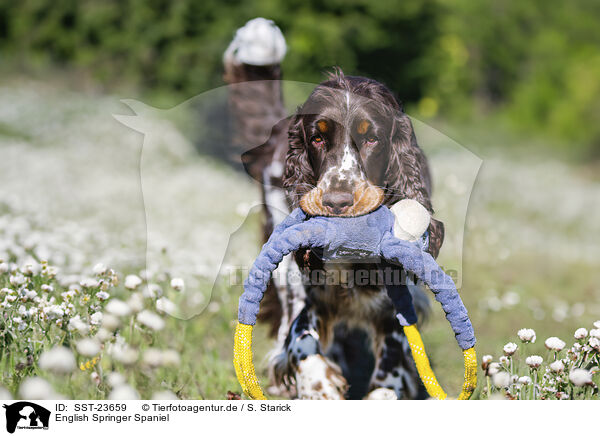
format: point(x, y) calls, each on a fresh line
point(422, 264)
point(293, 236)
point(402, 300)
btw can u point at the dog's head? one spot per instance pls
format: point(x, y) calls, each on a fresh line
point(352, 149)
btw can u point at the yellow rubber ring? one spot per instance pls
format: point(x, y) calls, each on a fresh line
point(426, 373)
point(242, 361)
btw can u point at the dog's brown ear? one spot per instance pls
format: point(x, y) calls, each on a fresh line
point(298, 175)
point(407, 175)
point(256, 159)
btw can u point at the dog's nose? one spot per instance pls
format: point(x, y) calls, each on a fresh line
point(338, 202)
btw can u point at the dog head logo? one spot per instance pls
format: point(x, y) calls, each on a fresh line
point(183, 183)
point(26, 415)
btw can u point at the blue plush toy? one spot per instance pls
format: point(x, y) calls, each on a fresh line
point(394, 237)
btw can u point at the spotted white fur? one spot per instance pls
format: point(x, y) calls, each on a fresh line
point(317, 378)
point(381, 394)
point(347, 170)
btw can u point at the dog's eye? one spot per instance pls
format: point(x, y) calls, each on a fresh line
point(371, 140)
point(317, 141)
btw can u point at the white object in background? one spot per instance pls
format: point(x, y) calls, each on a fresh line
point(258, 42)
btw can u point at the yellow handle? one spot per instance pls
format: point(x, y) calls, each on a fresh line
point(242, 361)
point(426, 373)
point(470, 374)
point(244, 368)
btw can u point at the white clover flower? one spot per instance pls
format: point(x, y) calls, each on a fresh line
point(580, 333)
point(580, 377)
point(102, 295)
point(58, 359)
point(88, 347)
point(110, 321)
point(132, 281)
point(95, 378)
point(99, 269)
point(595, 333)
point(501, 379)
point(17, 280)
point(525, 380)
point(554, 343)
point(486, 360)
point(534, 361)
point(557, 366)
point(164, 395)
point(153, 357)
point(118, 308)
point(89, 283)
point(29, 294)
point(136, 302)
point(103, 335)
point(504, 360)
point(17, 319)
point(152, 291)
point(6, 396)
point(123, 392)
point(493, 368)
point(96, 318)
point(123, 353)
point(165, 305)
point(213, 307)
point(76, 323)
point(594, 343)
point(151, 320)
point(115, 379)
point(510, 348)
point(527, 335)
point(54, 311)
point(47, 288)
point(171, 358)
point(36, 388)
point(3, 267)
point(177, 284)
point(597, 324)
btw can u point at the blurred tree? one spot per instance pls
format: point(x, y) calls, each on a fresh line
point(176, 46)
point(534, 63)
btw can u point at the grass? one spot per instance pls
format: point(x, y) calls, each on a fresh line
point(522, 234)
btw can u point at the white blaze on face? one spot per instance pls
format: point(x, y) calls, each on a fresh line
point(348, 170)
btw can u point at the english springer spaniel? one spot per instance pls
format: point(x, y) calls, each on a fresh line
point(348, 149)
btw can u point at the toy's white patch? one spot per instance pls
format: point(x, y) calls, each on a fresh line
point(412, 219)
point(318, 378)
point(258, 42)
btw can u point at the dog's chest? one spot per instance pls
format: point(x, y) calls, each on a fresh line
point(351, 293)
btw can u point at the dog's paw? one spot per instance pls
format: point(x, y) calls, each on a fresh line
point(258, 42)
point(381, 394)
point(317, 378)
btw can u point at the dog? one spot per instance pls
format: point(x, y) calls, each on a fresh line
point(348, 149)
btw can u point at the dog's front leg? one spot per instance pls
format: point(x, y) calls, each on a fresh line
point(317, 377)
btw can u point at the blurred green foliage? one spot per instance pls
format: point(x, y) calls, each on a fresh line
point(533, 63)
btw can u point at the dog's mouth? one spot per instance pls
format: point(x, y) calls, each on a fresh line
point(366, 196)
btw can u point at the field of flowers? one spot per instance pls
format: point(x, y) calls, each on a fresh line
point(99, 264)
